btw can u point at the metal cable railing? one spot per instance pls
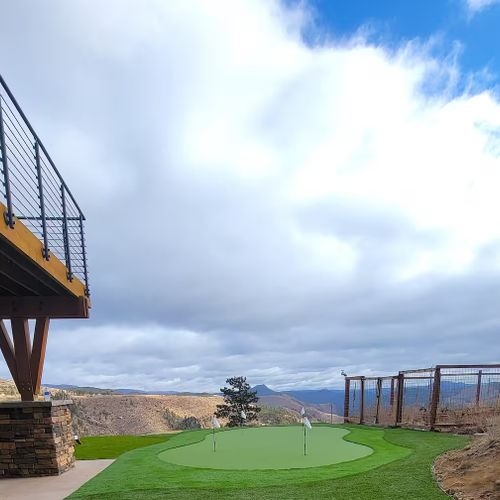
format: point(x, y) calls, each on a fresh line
point(35, 192)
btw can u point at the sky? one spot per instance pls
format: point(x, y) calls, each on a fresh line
point(279, 190)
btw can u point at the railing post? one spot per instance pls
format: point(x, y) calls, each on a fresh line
point(400, 398)
point(9, 218)
point(436, 389)
point(478, 390)
point(362, 401)
point(84, 256)
point(347, 390)
point(67, 254)
point(45, 250)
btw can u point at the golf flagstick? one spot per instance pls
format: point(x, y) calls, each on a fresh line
point(307, 425)
point(243, 417)
point(305, 441)
point(303, 414)
point(215, 425)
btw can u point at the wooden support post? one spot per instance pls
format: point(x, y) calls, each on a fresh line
point(25, 366)
point(400, 398)
point(8, 351)
point(379, 395)
point(362, 401)
point(478, 390)
point(38, 354)
point(346, 400)
point(391, 397)
point(22, 350)
point(436, 389)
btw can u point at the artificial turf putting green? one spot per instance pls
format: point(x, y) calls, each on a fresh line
point(268, 448)
point(398, 469)
point(140, 474)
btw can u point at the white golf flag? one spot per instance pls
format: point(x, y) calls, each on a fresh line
point(307, 423)
point(215, 423)
point(302, 411)
point(243, 415)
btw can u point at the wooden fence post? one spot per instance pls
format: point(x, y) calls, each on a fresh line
point(478, 390)
point(436, 390)
point(399, 400)
point(391, 398)
point(362, 402)
point(346, 400)
point(379, 396)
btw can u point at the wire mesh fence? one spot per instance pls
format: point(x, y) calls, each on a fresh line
point(370, 400)
point(35, 193)
point(440, 397)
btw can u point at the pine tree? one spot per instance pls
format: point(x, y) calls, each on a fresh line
point(238, 397)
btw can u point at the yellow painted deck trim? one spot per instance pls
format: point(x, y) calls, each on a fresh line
point(24, 240)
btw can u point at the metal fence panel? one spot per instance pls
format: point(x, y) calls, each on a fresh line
point(440, 397)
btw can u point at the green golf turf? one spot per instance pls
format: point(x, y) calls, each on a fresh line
point(268, 448)
point(94, 447)
point(399, 468)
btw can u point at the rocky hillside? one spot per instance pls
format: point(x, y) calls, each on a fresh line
point(8, 390)
point(107, 415)
point(104, 412)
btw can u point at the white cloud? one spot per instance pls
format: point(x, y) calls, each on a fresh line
point(242, 188)
point(478, 5)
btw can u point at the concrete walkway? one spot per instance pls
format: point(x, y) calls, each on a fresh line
point(52, 487)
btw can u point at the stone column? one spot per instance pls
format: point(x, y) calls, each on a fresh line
point(36, 438)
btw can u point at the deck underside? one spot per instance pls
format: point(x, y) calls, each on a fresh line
point(25, 272)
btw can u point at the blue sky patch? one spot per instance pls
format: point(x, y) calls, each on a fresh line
point(451, 24)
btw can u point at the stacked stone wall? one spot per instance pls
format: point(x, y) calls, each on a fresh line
point(36, 438)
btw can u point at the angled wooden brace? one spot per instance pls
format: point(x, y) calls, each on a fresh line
point(8, 351)
point(22, 351)
point(38, 353)
point(25, 364)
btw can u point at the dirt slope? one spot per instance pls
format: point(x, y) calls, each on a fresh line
point(473, 473)
point(100, 415)
point(8, 390)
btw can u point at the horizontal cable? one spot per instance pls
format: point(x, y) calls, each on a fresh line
point(14, 115)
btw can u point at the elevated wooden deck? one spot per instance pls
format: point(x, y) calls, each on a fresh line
point(23, 269)
point(43, 265)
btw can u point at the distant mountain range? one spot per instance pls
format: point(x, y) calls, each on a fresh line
point(316, 401)
point(324, 397)
point(124, 392)
point(452, 393)
point(310, 396)
point(323, 400)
